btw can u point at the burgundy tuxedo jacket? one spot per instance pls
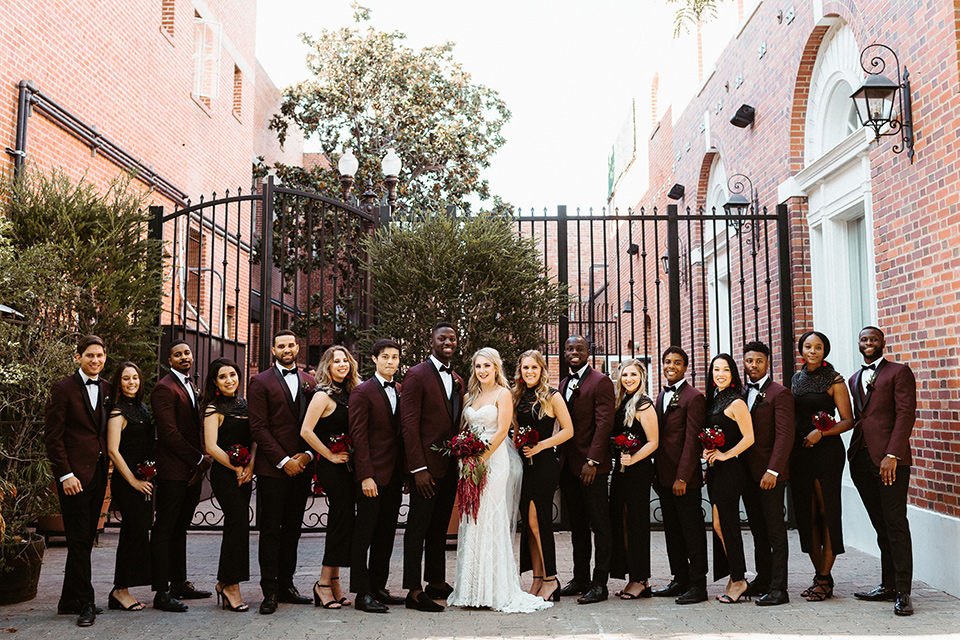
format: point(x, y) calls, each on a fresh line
point(773, 432)
point(427, 419)
point(375, 432)
point(179, 441)
point(75, 433)
point(591, 407)
point(678, 454)
point(883, 418)
point(275, 419)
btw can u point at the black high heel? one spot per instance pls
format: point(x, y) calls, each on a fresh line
point(318, 601)
point(343, 600)
point(114, 604)
point(555, 594)
point(226, 601)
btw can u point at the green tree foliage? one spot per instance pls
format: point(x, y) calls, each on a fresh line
point(370, 92)
point(475, 272)
point(104, 252)
point(692, 12)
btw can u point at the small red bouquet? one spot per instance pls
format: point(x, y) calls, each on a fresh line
point(627, 443)
point(823, 421)
point(239, 455)
point(467, 447)
point(712, 438)
point(342, 444)
point(146, 470)
point(527, 437)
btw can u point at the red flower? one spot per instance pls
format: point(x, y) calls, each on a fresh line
point(146, 470)
point(239, 455)
point(627, 443)
point(527, 437)
point(712, 438)
point(823, 421)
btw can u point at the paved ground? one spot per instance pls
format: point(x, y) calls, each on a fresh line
point(938, 614)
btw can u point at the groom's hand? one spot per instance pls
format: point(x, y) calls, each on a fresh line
point(424, 482)
point(587, 474)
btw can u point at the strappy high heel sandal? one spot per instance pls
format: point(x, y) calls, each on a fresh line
point(343, 600)
point(318, 600)
point(555, 594)
point(822, 589)
point(114, 604)
point(224, 599)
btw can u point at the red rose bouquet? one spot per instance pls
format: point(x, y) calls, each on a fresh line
point(342, 444)
point(239, 455)
point(712, 438)
point(467, 447)
point(146, 470)
point(823, 421)
point(527, 437)
point(626, 443)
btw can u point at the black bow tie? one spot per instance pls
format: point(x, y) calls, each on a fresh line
point(872, 367)
point(445, 368)
point(92, 381)
point(670, 388)
point(389, 383)
point(753, 385)
point(290, 372)
point(574, 376)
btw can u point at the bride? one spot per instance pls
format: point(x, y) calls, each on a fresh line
point(487, 569)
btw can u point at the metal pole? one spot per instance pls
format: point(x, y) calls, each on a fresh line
point(563, 325)
point(266, 274)
point(673, 278)
point(786, 293)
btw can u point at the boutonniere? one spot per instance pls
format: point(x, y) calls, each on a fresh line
point(873, 378)
point(106, 400)
point(307, 387)
point(761, 397)
point(574, 388)
point(674, 401)
point(456, 385)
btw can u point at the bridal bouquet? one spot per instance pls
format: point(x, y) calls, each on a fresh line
point(467, 447)
point(527, 437)
point(627, 443)
point(342, 444)
point(239, 455)
point(823, 421)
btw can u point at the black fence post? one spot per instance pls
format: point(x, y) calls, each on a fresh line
point(155, 232)
point(786, 292)
point(673, 278)
point(266, 274)
point(563, 326)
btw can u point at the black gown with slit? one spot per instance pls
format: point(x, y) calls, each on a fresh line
point(540, 481)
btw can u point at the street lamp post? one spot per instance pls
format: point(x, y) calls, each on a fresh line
point(390, 165)
point(876, 97)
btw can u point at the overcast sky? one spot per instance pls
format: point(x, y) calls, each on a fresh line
point(568, 71)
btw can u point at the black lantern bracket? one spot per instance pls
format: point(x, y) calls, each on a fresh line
point(877, 95)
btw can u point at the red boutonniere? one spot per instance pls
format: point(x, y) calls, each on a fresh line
point(308, 388)
point(674, 402)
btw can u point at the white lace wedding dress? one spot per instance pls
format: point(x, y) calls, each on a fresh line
point(487, 569)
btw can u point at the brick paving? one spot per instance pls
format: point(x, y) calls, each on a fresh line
point(938, 614)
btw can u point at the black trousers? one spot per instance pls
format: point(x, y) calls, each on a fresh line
point(339, 486)
point(176, 501)
point(282, 503)
point(726, 482)
point(588, 508)
point(133, 549)
point(426, 533)
point(234, 500)
point(765, 511)
point(685, 534)
point(887, 508)
point(376, 527)
point(630, 520)
point(81, 513)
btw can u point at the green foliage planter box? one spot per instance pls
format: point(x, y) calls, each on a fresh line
point(21, 570)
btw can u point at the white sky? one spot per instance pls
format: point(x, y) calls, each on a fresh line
point(567, 70)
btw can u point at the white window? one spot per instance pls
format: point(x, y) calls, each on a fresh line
point(206, 58)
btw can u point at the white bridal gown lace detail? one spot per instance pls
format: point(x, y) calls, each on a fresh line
point(487, 569)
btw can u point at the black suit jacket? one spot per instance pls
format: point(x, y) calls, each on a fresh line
point(74, 432)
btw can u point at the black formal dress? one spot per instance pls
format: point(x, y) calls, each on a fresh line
point(823, 462)
point(234, 499)
point(136, 509)
point(726, 482)
point(540, 481)
point(630, 501)
point(338, 485)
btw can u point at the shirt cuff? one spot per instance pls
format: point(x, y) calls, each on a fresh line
point(309, 454)
point(773, 473)
point(419, 470)
point(201, 461)
point(890, 455)
point(66, 477)
point(285, 460)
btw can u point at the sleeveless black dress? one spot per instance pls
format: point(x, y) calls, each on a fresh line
point(823, 462)
point(540, 482)
point(234, 499)
point(630, 501)
point(726, 482)
point(136, 510)
point(338, 484)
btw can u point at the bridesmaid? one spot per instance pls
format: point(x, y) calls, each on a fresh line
point(817, 460)
point(727, 475)
point(225, 425)
point(630, 482)
point(326, 418)
point(130, 443)
point(538, 406)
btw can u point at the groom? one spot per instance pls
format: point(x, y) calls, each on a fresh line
point(430, 406)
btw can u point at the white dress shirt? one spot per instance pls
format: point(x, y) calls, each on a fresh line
point(753, 393)
point(292, 381)
point(390, 391)
point(445, 376)
point(866, 374)
point(185, 381)
point(573, 384)
point(668, 395)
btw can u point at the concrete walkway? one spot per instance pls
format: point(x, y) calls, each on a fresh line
point(938, 614)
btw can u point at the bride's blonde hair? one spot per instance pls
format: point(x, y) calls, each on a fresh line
point(473, 386)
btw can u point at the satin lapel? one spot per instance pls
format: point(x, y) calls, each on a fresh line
point(443, 393)
point(286, 390)
point(301, 396)
point(385, 397)
point(660, 404)
point(456, 397)
point(94, 415)
point(858, 392)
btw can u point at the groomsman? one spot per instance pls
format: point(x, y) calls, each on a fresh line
point(181, 463)
point(276, 403)
point(584, 465)
point(885, 409)
point(75, 436)
point(375, 431)
point(431, 403)
point(681, 412)
point(771, 407)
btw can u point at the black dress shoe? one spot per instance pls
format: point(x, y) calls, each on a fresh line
point(383, 597)
point(755, 589)
point(877, 594)
point(290, 595)
point(574, 588)
point(422, 603)
point(88, 615)
point(164, 601)
point(366, 602)
point(672, 590)
point(596, 593)
point(187, 591)
point(773, 597)
point(269, 604)
point(693, 595)
point(439, 593)
point(903, 607)
point(72, 608)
